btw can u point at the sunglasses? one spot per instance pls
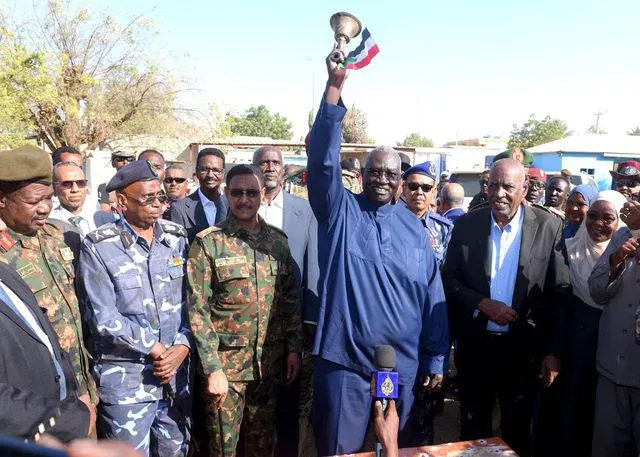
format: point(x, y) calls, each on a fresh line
point(81, 183)
point(237, 193)
point(414, 186)
point(626, 183)
point(174, 180)
point(122, 159)
point(148, 201)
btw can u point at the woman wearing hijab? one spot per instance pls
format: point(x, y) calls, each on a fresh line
point(576, 385)
point(614, 285)
point(578, 203)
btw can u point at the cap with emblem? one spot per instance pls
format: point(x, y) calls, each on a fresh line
point(140, 170)
point(426, 168)
point(26, 163)
point(521, 155)
point(537, 174)
point(628, 169)
point(123, 154)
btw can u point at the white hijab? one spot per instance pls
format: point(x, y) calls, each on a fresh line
point(583, 252)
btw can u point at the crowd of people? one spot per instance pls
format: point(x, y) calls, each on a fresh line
point(229, 320)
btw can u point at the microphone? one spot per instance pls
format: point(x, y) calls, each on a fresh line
point(384, 381)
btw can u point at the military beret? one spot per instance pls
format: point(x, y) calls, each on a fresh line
point(537, 173)
point(425, 168)
point(628, 169)
point(26, 163)
point(123, 154)
point(521, 155)
point(140, 170)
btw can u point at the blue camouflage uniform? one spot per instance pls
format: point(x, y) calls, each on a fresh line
point(439, 229)
point(133, 296)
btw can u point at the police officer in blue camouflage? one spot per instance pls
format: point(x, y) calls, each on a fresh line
point(419, 191)
point(131, 282)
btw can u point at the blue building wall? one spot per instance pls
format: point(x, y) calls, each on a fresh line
point(575, 162)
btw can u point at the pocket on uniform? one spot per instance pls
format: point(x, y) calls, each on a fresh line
point(176, 272)
point(233, 340)
point(129, 294)
point(233, 281)
point(363, 242)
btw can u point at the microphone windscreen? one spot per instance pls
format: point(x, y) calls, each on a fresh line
point(385, 358)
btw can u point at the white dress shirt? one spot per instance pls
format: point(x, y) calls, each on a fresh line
point(209, 206)
point(86, 223)
point(273, 213)
point(505, 255)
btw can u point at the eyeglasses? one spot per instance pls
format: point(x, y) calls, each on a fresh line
point(205, 171)
point(414, 186)
point(148, 201)
point(174, 180)
point(118, 159)
point(378, 174)
point(536, 184)
point(81, 183)
point(626, 183)
point(237, 193)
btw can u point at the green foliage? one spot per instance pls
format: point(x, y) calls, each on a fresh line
point(74, 77)
point(534, 132)
point(354, 127)
point(258, 121)
point(634, 131)
point(416, 140)
point(600, 131)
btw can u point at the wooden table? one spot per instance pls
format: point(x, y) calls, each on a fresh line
point(493, 447)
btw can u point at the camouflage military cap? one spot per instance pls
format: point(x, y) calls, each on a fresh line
point(521, 155)
point(26, 163)
point(140, 170)
point(123, 154)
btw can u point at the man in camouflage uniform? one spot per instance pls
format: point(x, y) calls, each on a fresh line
point(351, 175)
point(245, 317)
point(36, 249)
point(131, 285)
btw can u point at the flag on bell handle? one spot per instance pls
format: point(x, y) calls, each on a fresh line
point(362, 55)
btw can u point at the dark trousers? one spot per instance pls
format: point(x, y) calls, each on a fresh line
point(342, 409)
point(287, 420)
point(499, 367)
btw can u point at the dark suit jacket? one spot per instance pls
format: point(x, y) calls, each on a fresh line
point(542, 281)
point(189, 213)
point(29, 384)
point(301, 228)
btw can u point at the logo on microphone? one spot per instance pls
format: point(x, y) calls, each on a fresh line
point(387, 387)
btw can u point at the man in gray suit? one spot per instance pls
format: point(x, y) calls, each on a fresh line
point(207, 206)
point(294, 216)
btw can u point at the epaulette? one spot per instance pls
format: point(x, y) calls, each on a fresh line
point(205, 232)
point(480, 206)
point(6, 241)
point(278, 231)
point(439, 218)
point(103, 233)
point(173, 228)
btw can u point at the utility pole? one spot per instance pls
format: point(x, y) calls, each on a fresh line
point(597, 115)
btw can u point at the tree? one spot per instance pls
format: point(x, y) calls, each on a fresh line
point(73, 77)
point(416, 140)
point(354, 127)
point(534, 132)
point(593, 131)
point(258, 121)
point(634, 131)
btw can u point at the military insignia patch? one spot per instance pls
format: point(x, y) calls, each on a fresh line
point(67, 254)
point(228, 261)
point(6, 242)
point(27, 270)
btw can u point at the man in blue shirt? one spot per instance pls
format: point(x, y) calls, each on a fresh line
point(379, 285)
point(507, 279)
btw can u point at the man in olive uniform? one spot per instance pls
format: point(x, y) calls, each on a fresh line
point(35, 248)
point(244, 314)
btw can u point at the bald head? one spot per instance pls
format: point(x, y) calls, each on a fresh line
point(451, 196)
point(507, 188)
point(269, 159)
point(382, 175)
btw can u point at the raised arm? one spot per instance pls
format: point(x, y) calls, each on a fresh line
point(323, 166)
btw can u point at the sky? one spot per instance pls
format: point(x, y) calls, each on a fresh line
point(446, 69)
